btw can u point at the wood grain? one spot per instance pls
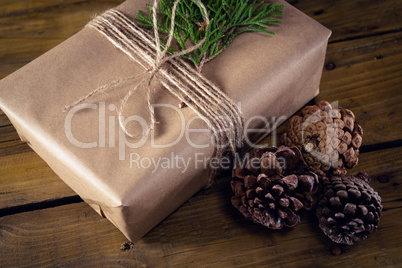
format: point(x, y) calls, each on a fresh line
point(26, 179)
point(207, 230)
point(367, 79)
point(354, 19)
point(368, 86)
point(30, 28)
point(373, 98)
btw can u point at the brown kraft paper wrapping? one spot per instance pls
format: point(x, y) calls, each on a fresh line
point(269, 76)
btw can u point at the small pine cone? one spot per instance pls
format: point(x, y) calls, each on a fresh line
point(328, 138)
point(349, 209)
point(266, 190)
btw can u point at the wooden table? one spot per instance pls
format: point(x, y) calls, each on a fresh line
point(44, 223)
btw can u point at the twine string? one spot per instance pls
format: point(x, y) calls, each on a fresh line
point(216, 109)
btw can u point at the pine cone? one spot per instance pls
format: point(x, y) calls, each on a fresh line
point(266, 190)
point(328, 138)
point(349, 209)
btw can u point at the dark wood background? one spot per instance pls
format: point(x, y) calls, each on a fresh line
point(44, 223)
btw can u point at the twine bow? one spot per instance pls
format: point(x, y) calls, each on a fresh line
point(216, 109)
point(160, 58)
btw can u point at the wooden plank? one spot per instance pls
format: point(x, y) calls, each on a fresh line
point(8, 133)
point(58, 238)
point(207, 230)
point(26, 31)
point(374, 98)
point(4, 121)
point(13, 147)
point(48, 19)
point(26, 179)
point(367, 80)
point(386, 163)
point(354, 19)
point(68, 16)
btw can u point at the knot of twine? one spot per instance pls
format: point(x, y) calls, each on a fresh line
point(216, 109)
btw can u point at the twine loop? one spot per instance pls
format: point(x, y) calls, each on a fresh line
point(215, 108)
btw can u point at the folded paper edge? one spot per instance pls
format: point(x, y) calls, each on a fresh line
point(100, 207)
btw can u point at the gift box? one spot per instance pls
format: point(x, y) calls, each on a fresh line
point(137, 181)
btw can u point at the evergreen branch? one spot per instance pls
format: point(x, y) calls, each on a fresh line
point(228, 18)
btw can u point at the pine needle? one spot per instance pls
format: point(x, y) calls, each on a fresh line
point(228, 18)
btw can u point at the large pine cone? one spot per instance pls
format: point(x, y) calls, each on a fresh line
point(266, 190)
point(328, 138)
point(349, 209)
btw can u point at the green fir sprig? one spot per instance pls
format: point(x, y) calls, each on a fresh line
point(228, 18)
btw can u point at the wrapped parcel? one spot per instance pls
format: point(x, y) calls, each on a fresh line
point(137, 182)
